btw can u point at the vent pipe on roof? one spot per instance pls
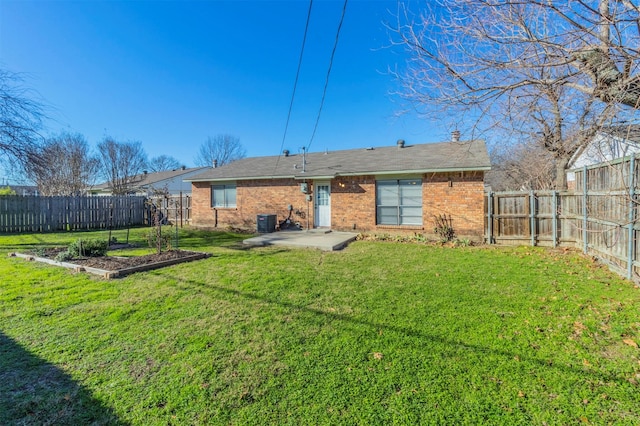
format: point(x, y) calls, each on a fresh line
point(215, 163)
point(183, 167)
point(285, 152)
point(400, 143)
point(455, 136)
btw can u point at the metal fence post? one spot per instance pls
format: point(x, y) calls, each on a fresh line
point(532, 211)
point(585, 245)
point(554, 219)
point(630, 225)
point(490, 217)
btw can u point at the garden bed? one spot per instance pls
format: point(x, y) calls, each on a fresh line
point(116, 266)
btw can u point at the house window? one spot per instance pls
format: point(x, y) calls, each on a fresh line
point(399, 202)
point(223, 195)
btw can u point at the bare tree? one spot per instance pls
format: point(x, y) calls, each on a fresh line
point(121, 163)
point(67, 166)
point(21, 119)
point(526, 166)
point(549, 72)
point(222, 148)
point(162, 163)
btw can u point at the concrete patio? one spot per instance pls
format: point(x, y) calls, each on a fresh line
point(323, 239)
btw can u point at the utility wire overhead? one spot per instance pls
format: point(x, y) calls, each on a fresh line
point(295, 83)
point(326, 83)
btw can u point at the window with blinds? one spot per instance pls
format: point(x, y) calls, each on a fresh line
point(223, 195)
point(399, 202)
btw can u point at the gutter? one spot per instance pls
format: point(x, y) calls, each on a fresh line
point(362, 173)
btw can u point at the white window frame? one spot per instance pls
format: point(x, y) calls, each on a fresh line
point(227, 190)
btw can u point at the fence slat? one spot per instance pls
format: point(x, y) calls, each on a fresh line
point(45, 214)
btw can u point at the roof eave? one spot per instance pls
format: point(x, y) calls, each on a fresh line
point(360, 173)
point(419, 171)
point(230, 178)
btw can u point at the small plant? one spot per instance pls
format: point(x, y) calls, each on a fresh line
point(465, 242)
point(88, 248)
point(155, 237)
point(443, 227)
point(158, 240)
point(40, 251)
point(64, 256)
point(418, 238)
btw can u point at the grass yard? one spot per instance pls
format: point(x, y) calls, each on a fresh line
point(380, 333)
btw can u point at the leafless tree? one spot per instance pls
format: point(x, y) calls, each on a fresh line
point(21, 117)
point(550, 72)
point(222, 148)
point(67, 166)
point(121, 164)
point(163, 163)
point(526, 166)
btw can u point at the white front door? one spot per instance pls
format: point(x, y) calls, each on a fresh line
point(323, 204)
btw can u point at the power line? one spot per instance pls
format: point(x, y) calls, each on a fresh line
point(295, 83)
point(326, 82)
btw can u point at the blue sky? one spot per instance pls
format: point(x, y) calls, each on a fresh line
point(169, 74)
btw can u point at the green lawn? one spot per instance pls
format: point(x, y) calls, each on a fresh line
point(380, 333)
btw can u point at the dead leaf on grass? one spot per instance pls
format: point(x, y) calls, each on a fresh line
point(578, 328)
point(377, 355)
point(630, 342)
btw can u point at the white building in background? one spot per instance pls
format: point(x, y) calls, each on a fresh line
point(609, 144)
point(147, 183)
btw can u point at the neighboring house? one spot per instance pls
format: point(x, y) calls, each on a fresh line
point(609, 144)
point(146, 183)
point(395, 189)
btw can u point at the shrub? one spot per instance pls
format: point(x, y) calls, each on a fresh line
point(444, 227)
point(88, 248)
point(63, 256)
point(7, 191)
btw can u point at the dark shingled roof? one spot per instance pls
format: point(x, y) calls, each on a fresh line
point(419, 158)
point(145, 179)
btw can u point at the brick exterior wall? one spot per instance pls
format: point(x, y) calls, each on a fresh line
point(459, 195)
point(253, 197)
point(353, 204)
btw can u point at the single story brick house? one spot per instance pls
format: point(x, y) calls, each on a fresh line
point(396, 189)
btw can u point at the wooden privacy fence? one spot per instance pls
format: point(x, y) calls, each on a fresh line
point(173, 208)
point(46, 214)
point(599, 216)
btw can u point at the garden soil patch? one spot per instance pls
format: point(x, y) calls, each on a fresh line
point(116, 266)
